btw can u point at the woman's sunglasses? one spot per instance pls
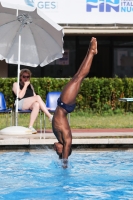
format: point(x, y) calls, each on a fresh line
point(26, 76)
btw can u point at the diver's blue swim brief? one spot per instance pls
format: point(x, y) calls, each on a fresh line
point(68, 108)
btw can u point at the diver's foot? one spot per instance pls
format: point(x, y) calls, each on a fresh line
point(93, 46)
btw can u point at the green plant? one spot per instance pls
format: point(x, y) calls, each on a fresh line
point(97, 95)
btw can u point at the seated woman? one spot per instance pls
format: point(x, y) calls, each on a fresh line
point(27, 99)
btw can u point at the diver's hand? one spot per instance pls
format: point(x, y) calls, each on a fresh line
point(65, 163)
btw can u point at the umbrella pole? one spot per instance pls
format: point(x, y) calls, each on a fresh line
point(16, 130)
point(19, 51)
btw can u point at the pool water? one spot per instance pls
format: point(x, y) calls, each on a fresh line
point(38, 175)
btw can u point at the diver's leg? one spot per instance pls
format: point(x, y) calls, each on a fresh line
point(71, 90)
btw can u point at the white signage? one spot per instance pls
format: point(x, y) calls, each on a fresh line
point(84, 11)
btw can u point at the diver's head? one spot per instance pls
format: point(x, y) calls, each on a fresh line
point(58, 147)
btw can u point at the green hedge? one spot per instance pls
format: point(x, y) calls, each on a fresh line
point(96, 94)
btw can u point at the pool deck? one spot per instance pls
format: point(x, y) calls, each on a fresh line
point(80, 137)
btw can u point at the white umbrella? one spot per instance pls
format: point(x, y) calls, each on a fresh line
point(42, 39)
point(28, 38)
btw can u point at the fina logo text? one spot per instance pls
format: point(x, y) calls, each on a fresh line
point(109, 6)
point(48, 5)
